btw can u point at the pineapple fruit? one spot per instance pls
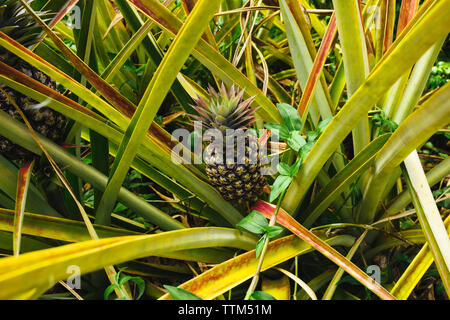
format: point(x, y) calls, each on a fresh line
point(237, 176)
point(19, 25)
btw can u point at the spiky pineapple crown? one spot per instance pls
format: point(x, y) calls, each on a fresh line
point(19, 25)
point(225, 109)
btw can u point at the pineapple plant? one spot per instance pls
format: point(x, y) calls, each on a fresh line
point(320, 190)
point(233, 167)
point(19, 25)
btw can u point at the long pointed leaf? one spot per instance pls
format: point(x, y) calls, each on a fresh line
point(356, 61)
point(75, 231)
point(342, 180)
point(287, 221)
point(413, 132)
point(415, 271)
point(429, 216)
point(210, 57)
point(38, 271)
point(23, 184)
point(231, 273)
point(177, 54)
point(403, 54)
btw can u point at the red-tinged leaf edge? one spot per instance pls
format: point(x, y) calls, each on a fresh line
point(62, 13)
point(408, 10)
point(25, 80)
point(292, 225)
point(66, 145)
point(23, 183)
point(319, 62)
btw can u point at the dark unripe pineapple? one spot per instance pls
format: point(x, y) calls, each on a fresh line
point(237, 176)
point(20, 26)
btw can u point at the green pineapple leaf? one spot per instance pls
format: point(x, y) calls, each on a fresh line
point(260, 244)
point(109, 290)
point(311, 136)
point(120, 281)
point(255, 223)
point(281, 183)
point(140, 283)
point(306, 149)
point(284, 169)
point(278, 129)
point(296, 141)
point(181, 294)
point(273, 231)
point(261, 295)
point(323, 124)
point(290, 116)
point(295, 167)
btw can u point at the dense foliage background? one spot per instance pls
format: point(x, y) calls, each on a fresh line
point(360, 88)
